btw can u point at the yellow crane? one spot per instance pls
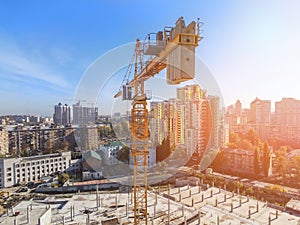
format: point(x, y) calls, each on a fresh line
point(174, 49)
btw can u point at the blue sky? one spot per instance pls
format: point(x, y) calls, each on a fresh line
point(252, 47)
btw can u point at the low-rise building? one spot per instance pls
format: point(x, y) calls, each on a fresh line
point(27, 169)
point(235, 161)
point(110, 152)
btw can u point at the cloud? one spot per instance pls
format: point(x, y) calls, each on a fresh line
point(60, 55)
point(21, 63)
point(21, 66)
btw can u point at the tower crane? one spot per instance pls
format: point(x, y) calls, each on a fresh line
point(174, 49)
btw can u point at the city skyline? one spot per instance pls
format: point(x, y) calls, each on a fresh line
point(250, 47)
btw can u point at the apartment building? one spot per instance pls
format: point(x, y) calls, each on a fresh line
point(26, 169)
point(110, 152)
point(3, 141)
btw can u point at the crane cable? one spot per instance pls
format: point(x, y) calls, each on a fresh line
point(128, 72)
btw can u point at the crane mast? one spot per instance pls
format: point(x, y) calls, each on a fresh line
point(180, 64)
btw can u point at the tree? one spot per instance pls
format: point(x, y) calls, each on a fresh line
point(234, 139)
point(163, 151)
point(281, 161)
point(66, 145)
point(245, 144)
point(266, 159)
point(63, 178)
point(252, 137)
point(256, 161)
point(123, 154)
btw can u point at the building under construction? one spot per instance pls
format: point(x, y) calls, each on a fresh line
point(191, 204)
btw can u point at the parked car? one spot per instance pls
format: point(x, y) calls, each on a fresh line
point(22, 189)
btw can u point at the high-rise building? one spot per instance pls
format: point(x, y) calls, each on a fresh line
point(287, 120)
point(191, 121)
point(287, 112)
point(83, 115)
point(260, 111)
point(157, 123)
point(260, 117)
point(3, 141)
point(214, 106)
point(238, 108)
point(62, 114)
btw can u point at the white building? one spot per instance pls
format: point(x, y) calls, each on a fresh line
point(110, 152)
point(27, 169)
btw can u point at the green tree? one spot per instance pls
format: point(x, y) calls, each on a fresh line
point(256, 161)
point(281, 163)
point(252, 137)
point(234, 139)
point(63, 178)
point(163, 151)
point(123, 154)
point(266, 159)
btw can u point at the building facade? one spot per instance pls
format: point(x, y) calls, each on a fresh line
point(31, 169)
point(83, 115)
point(4, 141)
point(62, 114)
point(110, 152)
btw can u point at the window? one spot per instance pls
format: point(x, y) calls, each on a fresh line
point(8, 169)
point(8, 179)
point(28, 164)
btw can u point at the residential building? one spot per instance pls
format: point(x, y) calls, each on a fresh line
point(62, 114)
point(215, 117)
point(4, 141)
point(110, 152)
point(157, 123)
point(30, 139)
point(83, 115)
point(86, 137)
point(189, 121)
point(287, 120)
point(260, 117)
point(260, 111)
point(91, 165)
point(31, 169)
point(237, 161)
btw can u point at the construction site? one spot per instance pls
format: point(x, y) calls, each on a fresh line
point(192, 203)
point(189, 204)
